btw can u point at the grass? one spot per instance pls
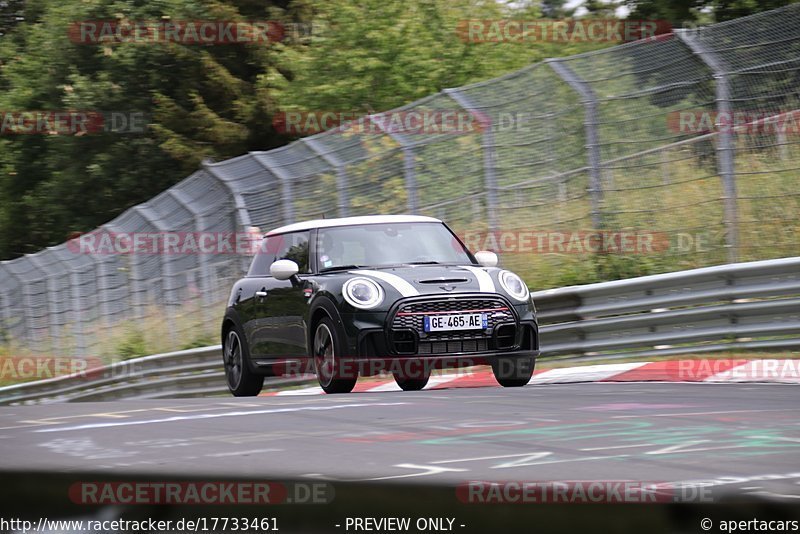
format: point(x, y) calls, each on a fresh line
point(676, 192)
point(156, 331)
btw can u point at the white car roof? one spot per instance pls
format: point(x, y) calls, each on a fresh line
point(351, 221)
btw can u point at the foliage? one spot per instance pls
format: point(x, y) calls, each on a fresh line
point(199, 101)
point(683, 13)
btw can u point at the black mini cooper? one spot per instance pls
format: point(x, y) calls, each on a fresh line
point(363, 295)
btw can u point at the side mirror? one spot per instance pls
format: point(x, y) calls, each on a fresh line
point(486, 258)
point(283, 269)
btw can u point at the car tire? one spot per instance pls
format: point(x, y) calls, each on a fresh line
point(513, 372)
point(242, 382)
point(326, 350)
point(411, 384)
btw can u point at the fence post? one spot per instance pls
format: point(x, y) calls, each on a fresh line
point(54, 285)
point(202, 259)
point(167, 271)
point(409, 163)
point(343, 204)
point(242, 215)
point(590, 123)
point(726, 151)
point(489, 157)
point(287, 192)
point(410, 173)
point(27, 305)
point(64, 255)
point(6, 325)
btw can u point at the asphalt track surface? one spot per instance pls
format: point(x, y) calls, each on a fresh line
point(734, 438)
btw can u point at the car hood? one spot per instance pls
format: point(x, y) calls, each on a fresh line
point(413, 280)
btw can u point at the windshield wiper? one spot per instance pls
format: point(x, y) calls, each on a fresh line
point(423, 263)
point(339, 268)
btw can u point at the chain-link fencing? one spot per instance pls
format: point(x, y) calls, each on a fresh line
point(653, 156)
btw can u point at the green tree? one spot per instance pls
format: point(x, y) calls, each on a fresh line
point(11, 14)
point(682, 13)
point(375, 55)
point(200, 101)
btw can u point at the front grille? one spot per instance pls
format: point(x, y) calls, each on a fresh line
point(409, 318)
point(451, 305)
point(420, 308)
point(449, 347)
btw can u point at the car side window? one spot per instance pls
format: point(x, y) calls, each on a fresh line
point(297, 250)
point(292, 246)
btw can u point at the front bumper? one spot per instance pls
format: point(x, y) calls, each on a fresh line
point(398, 334)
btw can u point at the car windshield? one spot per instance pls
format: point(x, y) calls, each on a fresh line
point(376, 245)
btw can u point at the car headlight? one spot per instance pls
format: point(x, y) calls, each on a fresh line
point(362, 293)
point(514, 286)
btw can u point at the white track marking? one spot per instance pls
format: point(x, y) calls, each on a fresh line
point(527, 459)
point(239, 453)
point(680, 447)
point(588, 373)
point(426, 470)
point(195, 417)
point(618, 447)
point(312, 390)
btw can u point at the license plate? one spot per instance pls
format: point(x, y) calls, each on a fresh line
point(464, 321)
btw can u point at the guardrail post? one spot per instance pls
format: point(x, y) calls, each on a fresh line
point(726, 151)
point(489, 158)
point(343, 202)
point(409, 163)
point(590, 124)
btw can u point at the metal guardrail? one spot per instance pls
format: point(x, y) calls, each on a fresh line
point(185, 373)
point(738, 306)
point(745, 306)
point(584, 142)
